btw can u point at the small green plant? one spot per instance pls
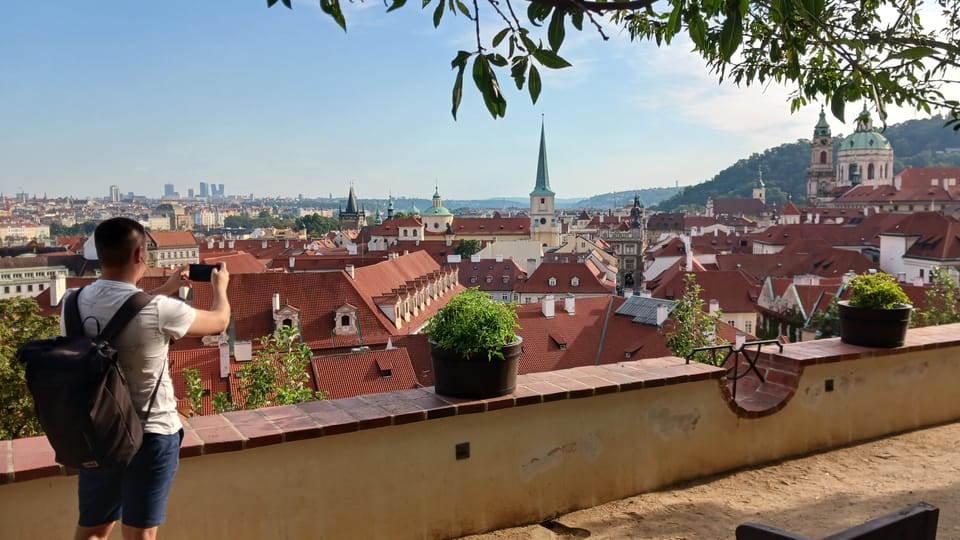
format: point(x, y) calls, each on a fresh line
point(194, 391)
point(473, 323)
point(693, 327)
point(278, 374)
point(877, 290)
point(221, 403)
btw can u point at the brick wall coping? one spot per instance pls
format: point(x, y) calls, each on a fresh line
point(32, 458)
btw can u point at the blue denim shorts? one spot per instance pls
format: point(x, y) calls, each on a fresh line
point(137, 493)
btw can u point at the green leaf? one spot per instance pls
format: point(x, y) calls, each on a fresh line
point(499, 37)
point(838, 101)
point(556, 32)
point(731, 35)
point(460, 59)
point(914, 53)
point(270, 3)
point(537, 13)
point(426, 3)
point(673, 25)
point(577, 19)
point(458, 90)
point(438, 14)
point(497, 60)
point(549, 58)
point(463, 9)
point(533, 85)
point(519, 71)
point(397, 4)
point(287, 3)
point(486, 82)
point(332, 8)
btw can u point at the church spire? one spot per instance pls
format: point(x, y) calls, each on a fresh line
point(543, 177)
point(351, 202)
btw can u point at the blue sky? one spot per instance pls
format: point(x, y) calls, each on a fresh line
point(280, 102)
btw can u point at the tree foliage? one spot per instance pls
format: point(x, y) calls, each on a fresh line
point(837, 51)
point(692, 327)
point(278, 373)
point(941, 300)
point(827, 323)
point(467, 248)
point(194, 390)
point(316, 225)
point(20, 321)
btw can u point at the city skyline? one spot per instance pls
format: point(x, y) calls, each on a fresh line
point(279, 103)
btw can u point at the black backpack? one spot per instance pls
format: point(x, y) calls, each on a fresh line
point(79, 393)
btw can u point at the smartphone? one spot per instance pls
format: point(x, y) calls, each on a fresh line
point(201, 272)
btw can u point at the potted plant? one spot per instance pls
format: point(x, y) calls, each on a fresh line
point(877, 313)
point(474, 346)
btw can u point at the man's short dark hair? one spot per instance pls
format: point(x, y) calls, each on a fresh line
point(116, 240)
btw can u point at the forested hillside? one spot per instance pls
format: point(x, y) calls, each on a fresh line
point(916, 143)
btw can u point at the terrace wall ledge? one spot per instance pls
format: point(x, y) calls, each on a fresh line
point(32, 458)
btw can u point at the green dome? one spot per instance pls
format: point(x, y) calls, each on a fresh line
point(865, 137)
point(865, 140)
point(437, 211)
point(414, 211)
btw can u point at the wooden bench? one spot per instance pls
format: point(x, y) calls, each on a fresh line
point(915, 522)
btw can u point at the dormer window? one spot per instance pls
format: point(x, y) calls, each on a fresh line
point(345, 320)
point(552, 282)
point(489, 279)
point(575, 282)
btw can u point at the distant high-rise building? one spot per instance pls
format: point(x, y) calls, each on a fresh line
point(114, 193)
point(204, 191)
point(220, 189)
point(190, 192)
point(168, 190)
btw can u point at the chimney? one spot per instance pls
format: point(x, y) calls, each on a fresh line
point(499, 258)
point(209, 243)
point(276, 302)
point(896, 183)
point(902, 277)
point(663, 310)
point(686, 246)
point(569, 304)
point(230, 244)
point(547, 306)
point(263, 244)
point(475, 257)
point(646, 294)
point(714, 306)
point(224, 360)
point(293, 262)
point(350, 271)
point(918, 281)
point(627, 293)
point(220, 244)
point(58, 286)
point(406, 252)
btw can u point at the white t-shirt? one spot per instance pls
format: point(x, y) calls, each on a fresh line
point(142, 346)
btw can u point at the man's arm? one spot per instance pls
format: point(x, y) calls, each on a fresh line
point(217, 318)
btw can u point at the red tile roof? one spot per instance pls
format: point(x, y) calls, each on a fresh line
point(365, 372)
point(238, 263)
point(504, 226)
point(490, 275)
point(539, 281)
point(736, 291)
point(165, 239)
point(207, 361)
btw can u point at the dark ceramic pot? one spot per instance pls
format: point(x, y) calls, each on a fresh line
point(475, 377)
point(872, 327)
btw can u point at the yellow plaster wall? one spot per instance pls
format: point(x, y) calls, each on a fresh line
point(526, 464)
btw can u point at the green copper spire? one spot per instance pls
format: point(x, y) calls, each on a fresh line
point(822, 128)
point(543, 178)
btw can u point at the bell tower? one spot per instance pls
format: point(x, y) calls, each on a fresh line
point(820, 178)
point(543, 220)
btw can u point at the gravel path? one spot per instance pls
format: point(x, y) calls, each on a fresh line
point(815, 495)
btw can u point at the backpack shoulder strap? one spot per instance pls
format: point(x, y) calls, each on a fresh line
point(71, 314)
point(125, 314)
